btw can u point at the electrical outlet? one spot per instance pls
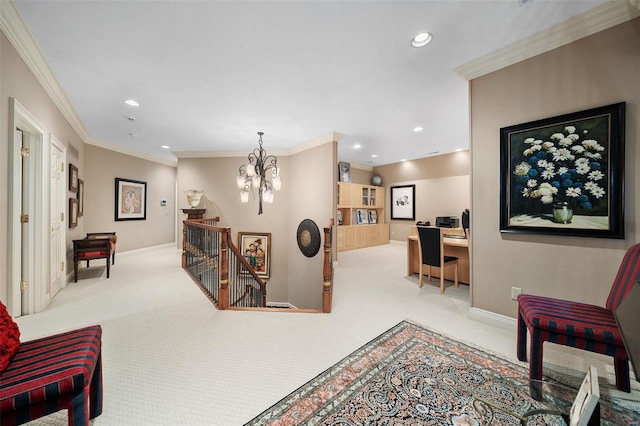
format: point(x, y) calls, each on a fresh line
point(515, 291)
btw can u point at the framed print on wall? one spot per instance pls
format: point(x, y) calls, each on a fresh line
point(73, 212)
point(131, 199)
point(565, 175)
point(256, 249)
point(403, 202)
point(73, 178)
point(80, 197)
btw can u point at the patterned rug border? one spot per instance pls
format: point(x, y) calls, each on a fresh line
point(335, 395)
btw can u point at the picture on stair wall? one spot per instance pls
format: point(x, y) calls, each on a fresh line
point(256, 249)
point(131, 199)
point(564, 175)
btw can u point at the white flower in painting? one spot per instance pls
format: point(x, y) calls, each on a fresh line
point(573, 137)
point(526, 192)
point(532, 183)
point(543, 163)
point(598, 192)
point(529, 140)
point(562, 170)
point(589, 186)
point(563, 154)
point(537, 142)
point(590, 143)
point(578, 149)
point(548, 174)
point(596, 175)
point(573, 192)
point(552, 150)
point(535, 148)
point(570, 129)
point(547, 145)
point(557, 136)
point(565, 142)
point(583, 169)
point(527, 152)
point(522, 169)
point(595, 156)
point(547, 190)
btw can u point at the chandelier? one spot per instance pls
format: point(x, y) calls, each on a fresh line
point(253, 175)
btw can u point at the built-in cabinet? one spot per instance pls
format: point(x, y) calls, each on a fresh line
point(360, 216)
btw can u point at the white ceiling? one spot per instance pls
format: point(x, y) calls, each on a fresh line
point(210, 74)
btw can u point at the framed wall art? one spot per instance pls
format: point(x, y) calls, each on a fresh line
point(80, 197)
point(564, 175)
point(131, 200)
point(344, 172)
point(403, 202)
point(73, 178)
point(73, 212)
point(256, 248)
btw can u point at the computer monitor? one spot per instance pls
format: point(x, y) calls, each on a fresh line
point(628, 318)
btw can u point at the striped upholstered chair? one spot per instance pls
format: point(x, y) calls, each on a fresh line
point(579, 325)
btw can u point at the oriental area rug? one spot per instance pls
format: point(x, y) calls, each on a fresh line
point(411, 375)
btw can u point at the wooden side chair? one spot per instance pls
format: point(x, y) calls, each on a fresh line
point(579, 325)
point(431, 248)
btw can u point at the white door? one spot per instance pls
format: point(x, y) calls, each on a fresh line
point(26, 222)
point(57, 191)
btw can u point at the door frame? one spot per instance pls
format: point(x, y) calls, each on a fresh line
point(20, 117)
point(53, 141)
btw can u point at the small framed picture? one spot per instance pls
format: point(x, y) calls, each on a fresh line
point(131, 199)
point(80, 197)
point(73, 212)
point(256, 248)
point(344, 172)
point(373, 216)
point(73, 178)
point(361, 216)
point(339, 217)
point(403, 202)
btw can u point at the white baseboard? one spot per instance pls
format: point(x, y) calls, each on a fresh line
point(280, 305)
point(143, 249)
point(491, 318)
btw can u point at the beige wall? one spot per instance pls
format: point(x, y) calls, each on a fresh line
point(17, 81)
point(361, 176)
point(307, 192)
point(442, 188)
point(101, 167)
point(598, 70)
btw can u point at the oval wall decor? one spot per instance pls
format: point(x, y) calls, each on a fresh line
point(308, 237)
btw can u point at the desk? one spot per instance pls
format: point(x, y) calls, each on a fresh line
point(458, 247)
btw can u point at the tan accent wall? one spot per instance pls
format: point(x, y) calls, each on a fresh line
point(361, 176)
point(101, 167)
point(598, 70)
point(442, 188)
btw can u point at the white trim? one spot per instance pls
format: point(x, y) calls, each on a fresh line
point(600, 18)
point(491, 318)
point(320, 140)
point(59, 145)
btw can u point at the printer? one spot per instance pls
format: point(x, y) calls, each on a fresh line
point(447, 222)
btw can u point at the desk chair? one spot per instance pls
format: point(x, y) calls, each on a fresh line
point(431, 249)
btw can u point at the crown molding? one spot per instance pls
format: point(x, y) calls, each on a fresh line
point(600, 18)
point(128, 151)
point(22, 39)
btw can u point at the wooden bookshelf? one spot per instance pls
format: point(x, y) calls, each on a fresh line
point(360, 216)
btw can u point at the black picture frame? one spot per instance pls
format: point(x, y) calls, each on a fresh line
point(564, 175)
point(73, 178)
point(403, 202)
point(80, 198)
point(256, 248)
point(130, 199)
point(73, 212)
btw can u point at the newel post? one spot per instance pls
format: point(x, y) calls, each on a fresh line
point(184, 244)
point(223, 294)
point(327, 272)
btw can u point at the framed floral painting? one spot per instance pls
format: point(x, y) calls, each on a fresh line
point(564, 175)
point(131, 199)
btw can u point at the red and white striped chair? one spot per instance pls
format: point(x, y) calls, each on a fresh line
point(580, 325)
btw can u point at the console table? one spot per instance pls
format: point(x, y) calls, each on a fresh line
point(458, 247)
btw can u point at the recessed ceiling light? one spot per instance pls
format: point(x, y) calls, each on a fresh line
point(421, 40)
point(418, 129)
point(357, 146)
point(165, 146)
point(131, 102)
point(374, 155)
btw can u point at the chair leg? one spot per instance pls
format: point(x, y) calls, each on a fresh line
point(442, 279)
point(108, 266)
point(521, 339)
point(420, 272)
point(535, 355)
point(456, 275)
point(75, 271)
point(621, 367)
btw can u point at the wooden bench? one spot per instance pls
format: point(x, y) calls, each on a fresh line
point(91, 249)
point(59, 372)
point(111, 236)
